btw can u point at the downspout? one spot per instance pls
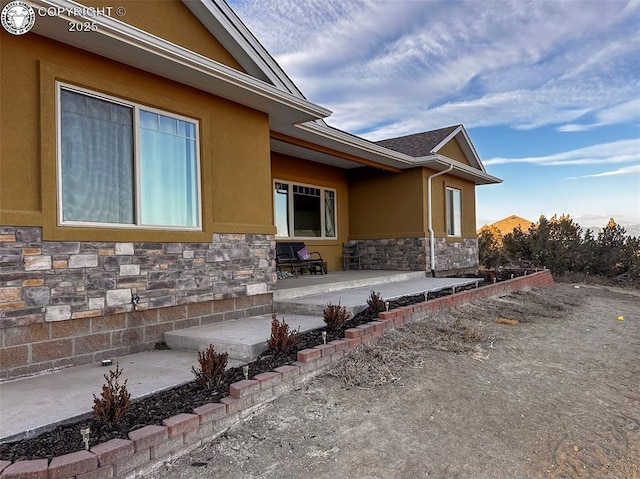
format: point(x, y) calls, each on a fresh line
point(432, 246)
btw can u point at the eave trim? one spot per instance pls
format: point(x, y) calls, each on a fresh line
point(330, 151)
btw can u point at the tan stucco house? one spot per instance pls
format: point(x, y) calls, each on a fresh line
point(151, 161)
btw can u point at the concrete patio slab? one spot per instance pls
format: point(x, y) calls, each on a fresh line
point(308, 284)
point(355, 299)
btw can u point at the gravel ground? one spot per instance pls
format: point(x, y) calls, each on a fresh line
point(555, 395)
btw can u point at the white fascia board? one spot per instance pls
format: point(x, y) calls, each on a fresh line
point(467, 146)
point(472, 149)
point(339, 140)
point(127, 44)
point(449, 137)
point(439, 163)
point(240, 42)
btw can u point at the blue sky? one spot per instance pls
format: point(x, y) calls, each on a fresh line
point(549, 91)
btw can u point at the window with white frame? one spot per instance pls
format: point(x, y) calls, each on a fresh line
point(304, 211)
point(453, 212)
point(126, 165)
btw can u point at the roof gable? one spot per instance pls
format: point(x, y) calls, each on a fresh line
point(429, 144)
point(451, 149)
point(223, 23)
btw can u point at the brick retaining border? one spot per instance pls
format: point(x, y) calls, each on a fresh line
point(151, 446)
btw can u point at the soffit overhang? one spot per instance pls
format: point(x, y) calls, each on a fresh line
point(315, 141)
point(127, 44)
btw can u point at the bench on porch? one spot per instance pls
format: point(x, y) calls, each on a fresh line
point(294, 256)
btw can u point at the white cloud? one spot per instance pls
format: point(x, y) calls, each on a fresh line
point(622, 151)
point(625, 111)
point(616, 114)
point(388, 68)
point(626, 170)
point(573, 127)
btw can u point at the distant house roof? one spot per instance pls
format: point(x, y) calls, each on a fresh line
point(508, 224)
point(418, 144)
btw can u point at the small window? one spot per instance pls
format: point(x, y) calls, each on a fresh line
point(304, 211)
point(453, 212)
point(126, 165)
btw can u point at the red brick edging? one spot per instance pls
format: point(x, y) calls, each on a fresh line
point(150, 446)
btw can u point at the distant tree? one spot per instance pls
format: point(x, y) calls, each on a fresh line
point(517, 247)
point(615, 251)
point(632, 256)
point(561, 245)
point(543, 251)
point(490, 247)
point(567, 236)
point(588, 261)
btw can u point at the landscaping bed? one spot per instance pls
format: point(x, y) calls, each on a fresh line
point(154, 409)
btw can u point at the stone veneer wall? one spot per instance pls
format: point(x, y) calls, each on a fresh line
point(412, 254)
point(66, 303)
point(401, 254)
point(456, 257)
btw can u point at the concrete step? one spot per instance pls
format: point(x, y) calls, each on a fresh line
point(242, 339)
point(315, 305)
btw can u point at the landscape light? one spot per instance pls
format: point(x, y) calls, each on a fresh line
point(85, 431)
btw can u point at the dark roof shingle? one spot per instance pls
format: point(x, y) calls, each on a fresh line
point(418, 144)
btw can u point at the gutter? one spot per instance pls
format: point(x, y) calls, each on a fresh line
point(467, 172)
point(432, 236)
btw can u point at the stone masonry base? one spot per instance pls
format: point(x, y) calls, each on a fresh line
point(413, 254)
point(151, 446)
point(65, 303)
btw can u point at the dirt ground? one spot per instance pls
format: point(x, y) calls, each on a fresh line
point(555, 396)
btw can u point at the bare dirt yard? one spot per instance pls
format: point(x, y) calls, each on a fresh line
point(556, 395)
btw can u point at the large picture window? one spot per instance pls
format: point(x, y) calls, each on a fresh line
point(122, 164)
point(454, 212)
point(304, 211)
